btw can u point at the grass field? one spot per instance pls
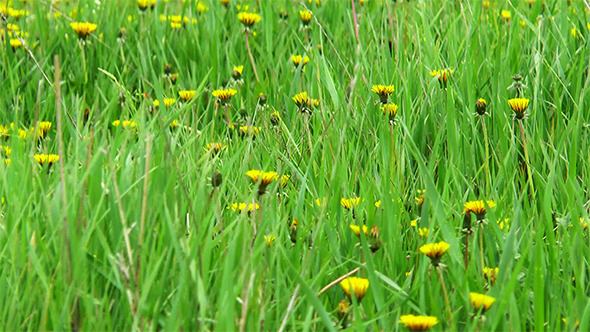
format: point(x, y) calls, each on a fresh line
point(122, 213)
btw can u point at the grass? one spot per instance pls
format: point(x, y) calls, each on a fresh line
point(126, 231)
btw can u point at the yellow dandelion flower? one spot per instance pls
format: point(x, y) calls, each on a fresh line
point(299, 60)
point(144, 4)
point(224, 95)
point(378, 204)
point(46, 159)
point(265, 178)
point(237, 72)
point(5, 151)
point(169, 102)
point(519, 106)
point(285, 180)
point(354, 286)
point(491, 274)
point(201, 7)
point(357, 229)
point(442, 75)
point(22, 134)
point(187, 95)
point(173, 124)
point(481, 301)
point(478, 208)
point(269, 239)
point(418, 323)
point(435, 251)
point(214, 147)
point(244, 131)
point(16, 43)
point(481, 106)
point(306, 16)
point(83, 29)
point(44, 127)
point(413, 223)
point(503, 223)
point(304, 102)
point(506, 15)
point(249, 19)
point(383, 91)
point(321, 201)
point(239, 207)
point(350, 203)
point(225, 3)
point(486, 4)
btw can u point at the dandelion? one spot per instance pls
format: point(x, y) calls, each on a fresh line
point(173, 78)
point(383, 91)
point(390, 110)
point(491, 274)
point(414, 223)
point(435, 251)
point(237, 73)
point(214, 148)
point(478, 208)
point(506, 15)
point(5, 151)
point(481, 106)
point(262, 178)
point(249, 19)
point(262, 100)
point(43, 128)
point(275, 118)
point(285, 180)
point(321, 201)
point(583, 223)
point(201, 7)
point(485, 4)
point(186, 95)
point(519, 106)
point(442, 75)
point(343, 310)
point(245, 131)
point(481, 301)
point(216, 179)
point(503, 223)
point(16, 43)
point(169, 102)
point(46, 159)
point(354, 286)
point(350, 203)
point(418, 323)
point(304, 102)
point(126, 124)
point(239, 207)
point(83, 29)
point(283, 15)
point(269, 239)
point(357, 230)
point(225, 3)
point(224, 95)
point(300, 60)
point(306, 16)
point(293, 230)
point(144, 4)
point(173, 125)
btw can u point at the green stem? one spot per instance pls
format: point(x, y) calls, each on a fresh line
point(446, 296)
point(487, 150)
point(251, 58)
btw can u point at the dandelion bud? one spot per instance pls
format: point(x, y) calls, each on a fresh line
point(343, 309)
point(374, 240)
point(480, 106)
point(167, 69)
point(216, 179)
point(262, 99)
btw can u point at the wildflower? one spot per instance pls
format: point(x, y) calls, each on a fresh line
point(435, 251)
point(126, 124)
point(391, 111)
point(418, 323)
point(357, 230)
point(423, 232)
point(216, 179)
point(478, 208)
point(491, 274)
point(275, 118)
point(480, 106)
point(5, 151)
point(321, 201)
point(503, 223)
point(263, 178)
point(506, 15)
point(350, 203)
point(225, 3)
point(306, 16)
point(144, 4)
point(22, 134)
point(583, 223)
point(486, 4)
point(44, 127)
point(173, 125)
point(244, 131)
point(173, 78)
point(248, 20)
point(186, 95)
point(283, 15)
point(201, 7)
point(224, 95)
point(285, 180)
point(214, 147)
point(413, 222)
point(262, 99)
point(46, 159)
point(269, 239)
point(169, 102)
point(16, 43)
point(300, 60)
point(378, 204)
point(442, 75)
point(237, 73)
point(343, 310)
point(383, 91)
point(481, 301)
point(83, 29)
point(239, 207)
point(304, 102)
point(519, 106)
point(293, 230)
point(374, 240)
point(354, 286)
point(7, 161)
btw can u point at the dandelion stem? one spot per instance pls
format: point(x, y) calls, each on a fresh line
point(466, 258)
point(305, 117)
point(446, 296)
point(251, 58)
point(481, 245)
point(487, 150)
point(526, 156)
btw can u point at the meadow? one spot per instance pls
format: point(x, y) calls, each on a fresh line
point(258, 165)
